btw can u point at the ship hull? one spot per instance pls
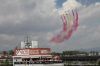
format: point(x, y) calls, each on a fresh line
point(39, 64)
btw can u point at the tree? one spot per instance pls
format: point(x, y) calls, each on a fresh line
point(11, 52)
point(6, 62)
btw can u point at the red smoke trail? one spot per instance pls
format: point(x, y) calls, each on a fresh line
point(64, 22)
point(66, 33)
point(58, 38)
point(69, 34)
point(76, 20)
point(75, 23)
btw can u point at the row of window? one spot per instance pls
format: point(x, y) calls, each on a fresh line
point(47, 62)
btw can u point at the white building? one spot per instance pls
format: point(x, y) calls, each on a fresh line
point(30, 54)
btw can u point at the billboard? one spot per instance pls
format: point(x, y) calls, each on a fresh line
point(34, 51)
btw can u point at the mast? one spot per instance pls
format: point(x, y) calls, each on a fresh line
point(27, 42)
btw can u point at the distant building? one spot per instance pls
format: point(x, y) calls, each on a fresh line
point(31, 54)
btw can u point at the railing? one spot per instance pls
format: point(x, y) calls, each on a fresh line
point(38, 62)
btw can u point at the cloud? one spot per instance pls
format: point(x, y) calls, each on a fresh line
point(70, 5)
point(87, 34)
point(89, 11)
point(19, 17)
point(89, 26)
point(39, 19)
point(97, 4)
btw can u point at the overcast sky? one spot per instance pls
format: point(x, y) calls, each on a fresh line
point(40, 20)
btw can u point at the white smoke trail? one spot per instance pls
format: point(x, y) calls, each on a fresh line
point(69, 5)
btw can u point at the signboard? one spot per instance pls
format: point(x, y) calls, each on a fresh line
point(35, 51)
point(22, 52)
point(44, 51)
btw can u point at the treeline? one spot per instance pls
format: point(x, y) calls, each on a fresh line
point(6, 58)
point(6, 63)
point(9, 52)
point(70, 53)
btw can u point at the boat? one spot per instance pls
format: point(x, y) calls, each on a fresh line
point(29, 54)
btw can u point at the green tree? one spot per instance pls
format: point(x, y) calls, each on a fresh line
point(6, 62)
point(11, 52)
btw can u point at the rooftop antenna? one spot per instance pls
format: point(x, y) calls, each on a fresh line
point(28, 44)
point(27, 39)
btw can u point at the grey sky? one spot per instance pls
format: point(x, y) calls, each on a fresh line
point(39, 19)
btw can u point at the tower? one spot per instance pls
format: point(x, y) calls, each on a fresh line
point(29, 44)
